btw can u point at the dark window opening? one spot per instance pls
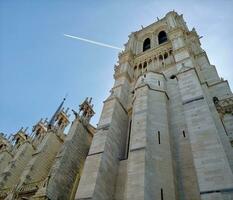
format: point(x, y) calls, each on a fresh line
point(159, 83)
point(161, 191)
point(231, 143)
point(172, 76)
point(160, 57)
point(165, 56)
point(162, 37)
point(159, 136)
point(144, 65)
point(215, 100)
point(38, 131)
point(146, 44)
point(184, 134)
point(128, 141)
point(125, 152)
point(17, 141)
point(59, 122)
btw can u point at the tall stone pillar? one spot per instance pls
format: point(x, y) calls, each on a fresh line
point(65, 174)
point(37, 169)
point(22, 152)
point(150, 169)
point(101, 167)
point(214, 175)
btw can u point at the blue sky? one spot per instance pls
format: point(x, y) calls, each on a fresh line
point(39, 66)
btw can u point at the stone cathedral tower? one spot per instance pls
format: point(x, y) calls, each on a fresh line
point(165, 130)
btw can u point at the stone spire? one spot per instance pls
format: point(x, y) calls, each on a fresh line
point(39, 131)
point(53, 119)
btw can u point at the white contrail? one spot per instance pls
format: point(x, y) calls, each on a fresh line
point(93, 42)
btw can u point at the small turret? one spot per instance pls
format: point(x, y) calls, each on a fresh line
point(60, 118)
point(4, 143)
point(19, 138)
point(86, 110)
point(39, 131)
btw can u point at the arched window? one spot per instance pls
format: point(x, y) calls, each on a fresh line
point(162, 37)
point(160, 57)
point(146, 44)
point(144, 65)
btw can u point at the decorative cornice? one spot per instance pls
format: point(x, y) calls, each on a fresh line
point(151, 53)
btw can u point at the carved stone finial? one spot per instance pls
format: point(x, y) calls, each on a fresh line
point(90, 100)
point(39, 130)
point(86, 109)
point(75, 113)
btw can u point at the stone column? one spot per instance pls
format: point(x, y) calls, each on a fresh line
point(214, 175)
point(150, 170)
point(101, 166)
point(66, 171)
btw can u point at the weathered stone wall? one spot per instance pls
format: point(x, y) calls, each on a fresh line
point(185, 179)
point(228, 119)
point(66, 171)
point(101, 167)
point(39, 166)
point(12, 172)
point(5, 158)
point(150, 167)
point(211, 163)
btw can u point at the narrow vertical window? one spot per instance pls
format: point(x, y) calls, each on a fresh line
point(128, 140)
point(184, 134)
point(159, 83)
point(159, 136)
point(124, 152)
point(161, 191)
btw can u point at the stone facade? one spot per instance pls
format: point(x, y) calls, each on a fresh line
point(165, 131)
point(46, 164)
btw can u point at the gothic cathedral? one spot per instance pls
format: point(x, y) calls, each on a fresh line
point(165, 131)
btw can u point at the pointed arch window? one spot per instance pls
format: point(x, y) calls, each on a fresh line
point(162, 37)
point(146, 44)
